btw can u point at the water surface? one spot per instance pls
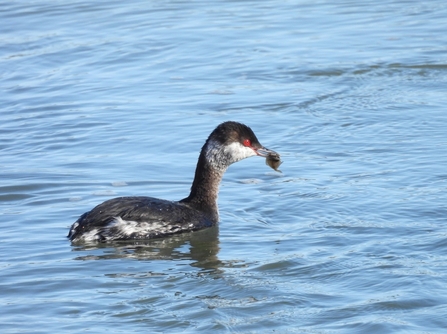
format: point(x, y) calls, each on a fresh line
point(114, 99)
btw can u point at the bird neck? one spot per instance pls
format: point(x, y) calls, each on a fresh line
point(205, 187)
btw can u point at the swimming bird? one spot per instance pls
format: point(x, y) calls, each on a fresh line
point(140, 217)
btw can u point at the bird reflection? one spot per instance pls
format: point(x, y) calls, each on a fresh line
point(202, 247)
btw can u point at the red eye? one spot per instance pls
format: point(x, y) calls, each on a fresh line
point(247, 142)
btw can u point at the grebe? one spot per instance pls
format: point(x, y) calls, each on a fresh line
point(132, 218)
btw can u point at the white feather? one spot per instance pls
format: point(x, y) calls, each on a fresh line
point(221, 156)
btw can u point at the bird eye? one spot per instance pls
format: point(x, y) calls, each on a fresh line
point(247, 142)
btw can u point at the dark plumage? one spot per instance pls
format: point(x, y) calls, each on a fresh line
point(129, 218)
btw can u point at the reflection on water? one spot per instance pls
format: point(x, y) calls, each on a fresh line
point(201, 248)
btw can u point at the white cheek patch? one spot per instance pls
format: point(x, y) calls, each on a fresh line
point(220, 157)
point(238, 151)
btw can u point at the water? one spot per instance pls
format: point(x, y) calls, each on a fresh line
point(113, 99)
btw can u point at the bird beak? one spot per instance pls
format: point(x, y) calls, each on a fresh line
point(265, 152)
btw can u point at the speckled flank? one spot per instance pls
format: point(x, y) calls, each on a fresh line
point(124, 229)
point(91, 235)
point(120, 229)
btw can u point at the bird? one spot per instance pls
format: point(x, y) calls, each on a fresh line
point(142, 218)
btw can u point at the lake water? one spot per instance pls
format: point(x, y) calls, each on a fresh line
point(104, 99)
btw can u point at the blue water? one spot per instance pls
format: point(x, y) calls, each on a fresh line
point(105, 99)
